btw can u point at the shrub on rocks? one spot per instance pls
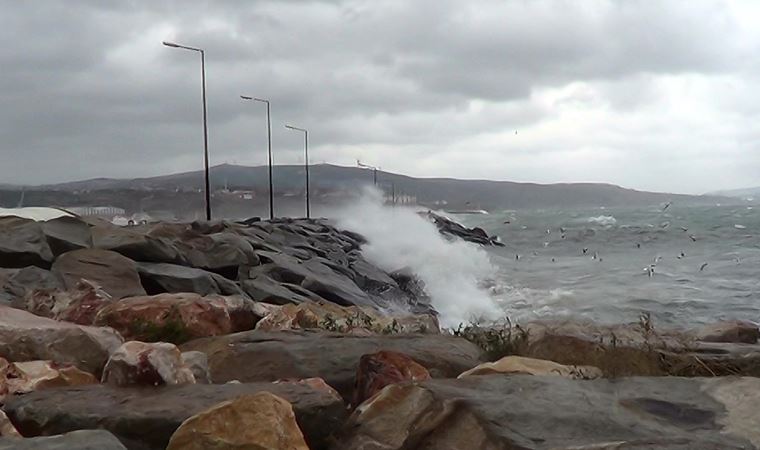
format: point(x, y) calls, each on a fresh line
point(345, 319)
point(257, 421)
point(147, 364)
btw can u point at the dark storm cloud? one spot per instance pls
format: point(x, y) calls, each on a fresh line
point(87, 90)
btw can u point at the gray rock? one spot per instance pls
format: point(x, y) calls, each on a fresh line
point(23, 243)
point(26, 337)
point(116, 274)
point(16, 284)
point(145, 418)
point(263, 289)
point(267, 356)
point(135, 243)
point(551, 412)
point(313, 275)
point(65, 234)
point(158, 278)
point(75, 440)
point(197, 362)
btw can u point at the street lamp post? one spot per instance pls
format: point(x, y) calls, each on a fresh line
point(373, 168)
point(269, 145)
point(205, 123)
point(306, 163)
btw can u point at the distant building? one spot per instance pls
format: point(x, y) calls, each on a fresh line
point(99, 211)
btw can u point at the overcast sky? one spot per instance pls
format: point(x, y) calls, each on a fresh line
point(657, 95)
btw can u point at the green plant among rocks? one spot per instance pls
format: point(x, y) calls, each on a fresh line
point(496, 340)
point(172, 329)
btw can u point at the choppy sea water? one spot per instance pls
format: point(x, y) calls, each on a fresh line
point(543, 272)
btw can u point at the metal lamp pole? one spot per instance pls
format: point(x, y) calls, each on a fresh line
point(306, 163)
point(205, 123)
point(373, 168)
point(269, 146)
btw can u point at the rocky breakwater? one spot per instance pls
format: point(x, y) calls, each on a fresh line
point(280, 335)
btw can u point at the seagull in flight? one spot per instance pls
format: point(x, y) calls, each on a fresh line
point(702, 267)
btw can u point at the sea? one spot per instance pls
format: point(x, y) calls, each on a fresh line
point(683, 265)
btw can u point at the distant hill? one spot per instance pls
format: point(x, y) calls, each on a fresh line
point(745, 193)
point(453, 193)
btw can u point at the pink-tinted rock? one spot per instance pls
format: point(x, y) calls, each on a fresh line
point(178, 317)
point(142, 363)
point(6, 427)
point(29, 376)
point(78, 305)
point(26, 337)
point(380, 369)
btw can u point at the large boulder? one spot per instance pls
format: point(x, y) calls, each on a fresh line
point(269, 356)
point(383, 368)
point(257, 421)
point(145, 418)
point(26, 337)
point(219, 252)
point(75, 440)
point(178, 318)
point(136, 244)
point(317, 275)
point(113, 272)
point(159, 278)
point(17, 284)
point(147, 364)
point(23, 243)
point(65, 234)
point(263, 289)
point(540, 412)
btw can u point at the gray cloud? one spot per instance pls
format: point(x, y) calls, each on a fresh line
point(651, 95)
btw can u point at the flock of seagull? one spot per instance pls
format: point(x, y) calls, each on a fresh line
point(649, 269)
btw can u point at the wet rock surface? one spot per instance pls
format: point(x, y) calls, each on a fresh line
point(452, 229)
point(540, 412)
point(269, 356)
point(146, 418)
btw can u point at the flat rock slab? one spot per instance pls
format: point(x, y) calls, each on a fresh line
point(269, 356)
point(76, 440)
point(145, 418)
point(547, 412)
